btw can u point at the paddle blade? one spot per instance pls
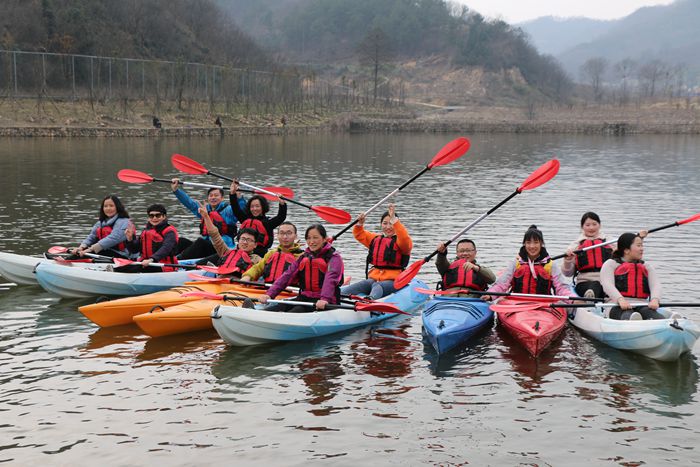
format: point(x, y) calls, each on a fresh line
point(406, 276)
point(690, 219)
point(332, 215)
point(133, 176)
point(379, 307)
point(542, 175)
point(122, 262)
point(54, 250)
point(219, 270)
point(280, 190)
point(187, 165)
point(450, 152)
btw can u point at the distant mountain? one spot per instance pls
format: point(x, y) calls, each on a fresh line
point(553, 35)
point(667, 33)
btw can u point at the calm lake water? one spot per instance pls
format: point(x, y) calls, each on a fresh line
point(71, 393)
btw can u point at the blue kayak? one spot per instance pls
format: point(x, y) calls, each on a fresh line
point(451, 321)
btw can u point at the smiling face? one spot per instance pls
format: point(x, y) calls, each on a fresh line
point(214, 198)
point(246, 242)
point(466, 251)
point(109, 208)
point(256, 207)
point(155, 218)
point(388, 227)
point(314, 240)
point(636, 251)
point(591, 228)
point(533, 248)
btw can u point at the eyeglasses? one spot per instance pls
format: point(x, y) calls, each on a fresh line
point(245, 240)
point(155, 215)
point(470, 250)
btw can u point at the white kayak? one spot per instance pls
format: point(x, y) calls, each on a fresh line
point(75, 282)
point(660, 339)
point(20, 268)
point(245, 326)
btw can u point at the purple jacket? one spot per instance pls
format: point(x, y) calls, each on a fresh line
point(331, 281)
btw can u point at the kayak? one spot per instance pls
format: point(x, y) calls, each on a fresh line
point(244, 326)
point(534, 327)
point(73, 282)
point(660, 339)
point(121, 311)
point(191, 316)
point(451, 321)
point(20, 268)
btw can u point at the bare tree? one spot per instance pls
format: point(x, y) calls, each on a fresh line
point(593, 71)
point(624, 70)
point(649, 75)
point(375, 51)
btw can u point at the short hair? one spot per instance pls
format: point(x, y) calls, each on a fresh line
point(589, 215)
point(248, 231)
point(263, 203)
point(289, 223)
point(465, 240)
point(221, 190)
point(321, 230)
point(157, 208)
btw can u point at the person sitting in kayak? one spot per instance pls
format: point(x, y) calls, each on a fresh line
point(585, 266)
point(254, 217)
point(107, 236)
point(388, 255)
point(157, 242)
point(222, 216)
point(532, 271)
point(319, 271)
point(277, 261)
point(235, 261)
point(626, 276)
point(464, 272)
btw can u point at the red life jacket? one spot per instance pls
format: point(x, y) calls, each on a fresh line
point(592, 260)
point(524, 282)
point(385, 254)
point(632, 279)
point(238, 259)
point(456, 276)
point(312, 272)
point(219, 222)
point(277, 263)
point(257, 225)
point(152, 239)
point(104, 232)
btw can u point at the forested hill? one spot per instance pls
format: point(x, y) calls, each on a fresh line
point(192, 30)
point(332, 30)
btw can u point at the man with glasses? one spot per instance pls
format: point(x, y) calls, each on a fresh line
point(277, 260)
point(464, 272)
point(157, 242)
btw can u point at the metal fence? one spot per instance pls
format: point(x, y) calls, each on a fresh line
point(65, 77)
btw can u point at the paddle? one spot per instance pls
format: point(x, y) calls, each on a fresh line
point(134, 176)
point(119, 262)
point(8, 284)
point(542, 175)
point(327, 213)
point(503, 294)
point(450, 152)
point(60, 250)
point(378, 307)
point(673, 224)
point(612, 304)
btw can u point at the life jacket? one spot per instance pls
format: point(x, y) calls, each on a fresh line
point(238, 259)
point(632, 279)
point(312, 272)
point(219, 222)
point(456, 276)
point(385, 254)
point(277, 263)
point(257, 225)
point(592, 260)
point(103, 231)
point(525, 282)
point(152, 239)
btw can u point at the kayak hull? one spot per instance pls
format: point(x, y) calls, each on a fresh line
point(20, 268)
point(451, 321)
point(660, 339)
point(533, 328)
point(243, 326)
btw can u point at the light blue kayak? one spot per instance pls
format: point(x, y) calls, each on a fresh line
point(451, 321)
point(245, 326)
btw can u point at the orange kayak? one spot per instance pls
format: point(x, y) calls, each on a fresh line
point(122, 311)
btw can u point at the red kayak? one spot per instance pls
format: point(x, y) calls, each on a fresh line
point(532, 323)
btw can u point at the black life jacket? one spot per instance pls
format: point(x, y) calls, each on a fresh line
point(384, 253)
point(152, 239)
point(456, 276)
point(592, 260)
point(632, 279)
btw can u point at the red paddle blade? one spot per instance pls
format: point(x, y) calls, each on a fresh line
point(684, 221)
point(201, 278)
point(450, 152)
point(332, 215)
point(122, 262)
point(542, 175)
point(219, 270)
point(379, 307)
point(280, 190)
point(133, 176)
point(202, 294)
point(187, 165)
point(406, 276)
point(54, 250)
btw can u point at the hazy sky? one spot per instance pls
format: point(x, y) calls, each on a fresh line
point(515, 11)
